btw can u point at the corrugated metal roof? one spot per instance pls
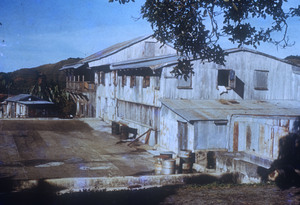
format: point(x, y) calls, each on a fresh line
point(114, 49)
point(153, 63)
point(27, 99)
point(75, 66)
point(234, 50)
point(214, 110)
point(41, 102)
point(18, 97)
point(106, 52)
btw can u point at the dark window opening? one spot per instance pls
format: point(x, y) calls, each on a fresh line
point(146, 81)
point(226, 78)
point(115, 78)
point(124, 80)
point(157, 82)
point(132, 81)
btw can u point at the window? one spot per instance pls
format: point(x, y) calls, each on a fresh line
point(132, 81)
point(149, 49)
point(124, 80)
point(184, 84)
point(97, 78)
point(115, 78)
point(261, 79)
point(182, 135)
point(226, 78)
point(110, 78)
point(157, 82)
point(102, 78)
point(146, 81)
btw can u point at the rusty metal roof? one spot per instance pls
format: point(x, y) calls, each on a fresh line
point(153, 63)
point(214, 110)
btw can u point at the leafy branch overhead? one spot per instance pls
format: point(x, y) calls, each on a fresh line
point(195, 26)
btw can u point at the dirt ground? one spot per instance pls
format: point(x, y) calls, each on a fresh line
point(27, 148)
point(38, 149)
point(233, 194)
point(220, 194)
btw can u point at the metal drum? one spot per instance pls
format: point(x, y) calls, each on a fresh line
point(115, 128)
point(124, 132)
point(167, 154)
point(168, 166)
point(159, 163)
point(186, 160)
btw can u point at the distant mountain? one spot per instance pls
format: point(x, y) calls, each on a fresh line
point(23, 80)
point(294, 59)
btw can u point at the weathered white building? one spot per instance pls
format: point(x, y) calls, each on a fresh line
point(244, 106)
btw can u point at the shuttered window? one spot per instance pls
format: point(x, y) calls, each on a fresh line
point(124, 80)
point(184, 84)
point(146, 81)
point(102, 78)
point(261, 79)
point(149, 49)
point(132, 81)
point(115, 78)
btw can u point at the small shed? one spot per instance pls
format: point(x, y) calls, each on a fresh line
point(26, 105)
point(234, 125)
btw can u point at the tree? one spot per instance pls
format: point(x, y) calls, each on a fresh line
point(195, 26)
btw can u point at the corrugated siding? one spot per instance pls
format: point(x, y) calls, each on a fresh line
point(210, 136)
point(141, 114)
point(260, 135)
point(134, 52)
point(282, 82)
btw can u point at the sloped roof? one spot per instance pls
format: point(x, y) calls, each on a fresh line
point(215, 110)
point(234, 50)
point(153, 63)
point(106, 52)
point(114, 49)
point(27, 99)
point(123, 45)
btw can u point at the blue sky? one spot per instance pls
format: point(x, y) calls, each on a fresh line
point(37, 32)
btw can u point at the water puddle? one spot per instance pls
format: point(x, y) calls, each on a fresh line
point(50, 164)
point(94, 168)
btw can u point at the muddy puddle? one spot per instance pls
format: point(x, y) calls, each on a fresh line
point(187, 194)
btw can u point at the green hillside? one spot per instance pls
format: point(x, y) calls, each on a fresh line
point(23, 80)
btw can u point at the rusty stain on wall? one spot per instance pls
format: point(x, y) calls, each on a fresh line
point(261, 137)
point(248, 138)
point(236, 137)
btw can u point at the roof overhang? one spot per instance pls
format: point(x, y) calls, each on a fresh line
point(153, 63)
point(72, 66)
point(222, 110)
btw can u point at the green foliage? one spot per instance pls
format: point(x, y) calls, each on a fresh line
point(183, 68)
point(194, 26)
point(121, 1)
point(45, 82)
